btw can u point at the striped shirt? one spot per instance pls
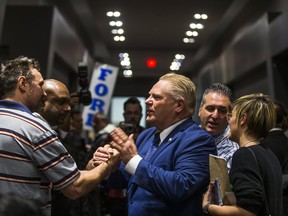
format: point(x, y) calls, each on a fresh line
point(32, 159)
point(226, 147)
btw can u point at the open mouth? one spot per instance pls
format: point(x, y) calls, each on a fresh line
point(212, 124)
point(149, 112)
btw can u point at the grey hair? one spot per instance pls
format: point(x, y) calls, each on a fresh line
point(219, 88)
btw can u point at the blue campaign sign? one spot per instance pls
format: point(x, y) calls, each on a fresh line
point(101, 86)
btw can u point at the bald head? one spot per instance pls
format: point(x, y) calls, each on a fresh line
point(57, 102)
point(52, 86)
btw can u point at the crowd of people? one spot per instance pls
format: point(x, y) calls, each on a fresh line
point(129, 170)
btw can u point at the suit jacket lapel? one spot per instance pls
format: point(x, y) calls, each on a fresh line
point(171, 137)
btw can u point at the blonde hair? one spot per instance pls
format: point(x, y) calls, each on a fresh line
point(260, 112)
point(182, 88)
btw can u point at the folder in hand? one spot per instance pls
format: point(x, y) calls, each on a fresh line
point(219, 175)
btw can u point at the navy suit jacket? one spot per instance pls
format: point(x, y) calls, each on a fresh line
point(173, 180)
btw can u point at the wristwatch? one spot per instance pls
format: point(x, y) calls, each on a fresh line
point(205, 209)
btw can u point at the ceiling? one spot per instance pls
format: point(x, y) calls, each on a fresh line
point(152, 28)
point(156, 28)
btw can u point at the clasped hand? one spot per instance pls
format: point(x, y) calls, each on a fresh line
point(105, 155)
point(121, 143)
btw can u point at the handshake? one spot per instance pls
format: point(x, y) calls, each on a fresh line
point(121, 147)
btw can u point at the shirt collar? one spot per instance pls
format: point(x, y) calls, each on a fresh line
point(223, 135)
point(9, 104)
point(168, 130)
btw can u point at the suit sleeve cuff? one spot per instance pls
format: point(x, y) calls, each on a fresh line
point(132, 165)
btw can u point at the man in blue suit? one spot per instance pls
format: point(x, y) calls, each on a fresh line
point(173, 179)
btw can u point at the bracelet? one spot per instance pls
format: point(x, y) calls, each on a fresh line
point(205, 209)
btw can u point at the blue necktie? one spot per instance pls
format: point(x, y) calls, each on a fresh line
point(154, 146)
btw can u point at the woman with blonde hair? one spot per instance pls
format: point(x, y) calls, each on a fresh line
point(255, 176)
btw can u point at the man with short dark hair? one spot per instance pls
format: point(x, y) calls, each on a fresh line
point(133, 114)
point(213, 112)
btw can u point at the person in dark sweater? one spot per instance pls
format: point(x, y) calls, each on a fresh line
point(277, 142)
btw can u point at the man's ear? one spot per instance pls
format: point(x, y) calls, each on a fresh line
point(22, 83)
point(180, 105)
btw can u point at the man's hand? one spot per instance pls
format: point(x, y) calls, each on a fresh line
point(114, 160)
point(124, 144)
point(206, 199)
point(102, 154)
point(105, 155)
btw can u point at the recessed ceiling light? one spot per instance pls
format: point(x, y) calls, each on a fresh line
point(191, 40)
point(193, 26)
point(180, 56)
point(200, 16)
point(177, 62)
point(189, 33)
point(185, 40)
point(116, 14)
point(109, 14)
point(120, 31)
point(113, 14)
point(114, 31)
point(199, 26)
point(118, 23)
point(125, 60)
point(122, 38)
point(197, 16)
point(112, 23)
point(194, 33)
point(127, 73)
point(188, 40)
point(204, 16)
point(117, 31)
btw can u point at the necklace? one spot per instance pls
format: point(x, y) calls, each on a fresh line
point(249, 141)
